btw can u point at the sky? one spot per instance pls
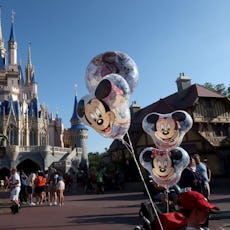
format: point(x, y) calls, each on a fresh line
point(163, 37)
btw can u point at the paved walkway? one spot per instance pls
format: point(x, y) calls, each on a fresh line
point(109, 211)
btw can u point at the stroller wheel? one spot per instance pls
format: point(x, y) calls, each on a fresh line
point(138, 228)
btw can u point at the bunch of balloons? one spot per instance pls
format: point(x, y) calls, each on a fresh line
point(166, 162)
point(110, 79)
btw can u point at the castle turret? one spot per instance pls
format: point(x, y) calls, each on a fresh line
point(12, 48)
point(79, 134)
point(31, 88)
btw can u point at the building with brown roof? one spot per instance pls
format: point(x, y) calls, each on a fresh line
point(209, 135)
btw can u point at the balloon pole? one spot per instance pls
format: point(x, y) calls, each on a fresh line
point(167, 199)
point(131, 150)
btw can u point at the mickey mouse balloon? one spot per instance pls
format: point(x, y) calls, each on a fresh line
point(107, 110)
point(165, 167)
point(167, 130)
point(111, 62)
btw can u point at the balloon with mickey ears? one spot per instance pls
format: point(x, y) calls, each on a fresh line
point(110, 78)
point(167, 130)
point(166, 162)
point(107, 110)
point(165, 167)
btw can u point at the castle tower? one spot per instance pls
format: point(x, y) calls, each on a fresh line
point(31, 89)
point(79, 134)
point(12, 48)
point(2, 46)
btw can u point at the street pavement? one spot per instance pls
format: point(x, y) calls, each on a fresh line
point(112, 210)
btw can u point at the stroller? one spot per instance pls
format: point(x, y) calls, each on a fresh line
point(168, 221)
point(161, 217)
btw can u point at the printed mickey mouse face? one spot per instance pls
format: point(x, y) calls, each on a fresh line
point(167, 130)
point(162, 166)
point(107, 110)
point(98, 116)
point(165, 167)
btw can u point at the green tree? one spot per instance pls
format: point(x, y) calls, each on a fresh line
point(220, 88)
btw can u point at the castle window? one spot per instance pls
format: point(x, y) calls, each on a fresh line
point(33, 137)
point(42, 138)
point(12, 135)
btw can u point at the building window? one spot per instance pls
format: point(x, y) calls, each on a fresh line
point(33, 137)
point(42, 138)
point(12, 134)
point(221, 130)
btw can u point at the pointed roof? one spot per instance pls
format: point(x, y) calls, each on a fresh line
point(12, 34)
point(74, 115)
point(75, 121)
point(29, 63)
point(21, 73)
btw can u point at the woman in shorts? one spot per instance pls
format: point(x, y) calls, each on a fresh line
point(60, 190)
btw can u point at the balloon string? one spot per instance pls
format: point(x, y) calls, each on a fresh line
point(131, 150)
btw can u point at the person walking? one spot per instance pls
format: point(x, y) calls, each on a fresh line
point(6, 183)
point(15, 187)
point(208, 169)
point(60, 190)
point(52, 187)
point(100, 181)
point(201, 169)
point(40, 187)
point(190, 178)
point(30, 189)
point(24, 188)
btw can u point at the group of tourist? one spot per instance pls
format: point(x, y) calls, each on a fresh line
point(48, 188)
point(36, 188)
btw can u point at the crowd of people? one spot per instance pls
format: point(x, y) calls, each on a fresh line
point(36, 188)
point(48, 188)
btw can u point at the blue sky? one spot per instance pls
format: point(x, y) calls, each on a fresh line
point(163, 37)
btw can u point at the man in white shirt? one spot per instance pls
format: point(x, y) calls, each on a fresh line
point(15, 187)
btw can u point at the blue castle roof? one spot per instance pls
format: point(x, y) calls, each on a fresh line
point(77, 124)
point(12, 34)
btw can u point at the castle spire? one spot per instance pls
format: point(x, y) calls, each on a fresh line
point(74, 119)
point(29, 63)
point(1, 38)
point(12, 35)
point(29, 68)
point(12, 47)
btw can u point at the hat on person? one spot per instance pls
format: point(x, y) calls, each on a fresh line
point(192, 199)
point(171, 221)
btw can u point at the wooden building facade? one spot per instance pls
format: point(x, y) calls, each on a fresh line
point(209, 135)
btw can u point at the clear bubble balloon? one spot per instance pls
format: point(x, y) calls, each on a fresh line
point(108, 63)
point(167, 130)
point(165, 167)
point(107, 110)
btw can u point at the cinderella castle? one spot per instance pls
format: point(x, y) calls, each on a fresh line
point(30, 138)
